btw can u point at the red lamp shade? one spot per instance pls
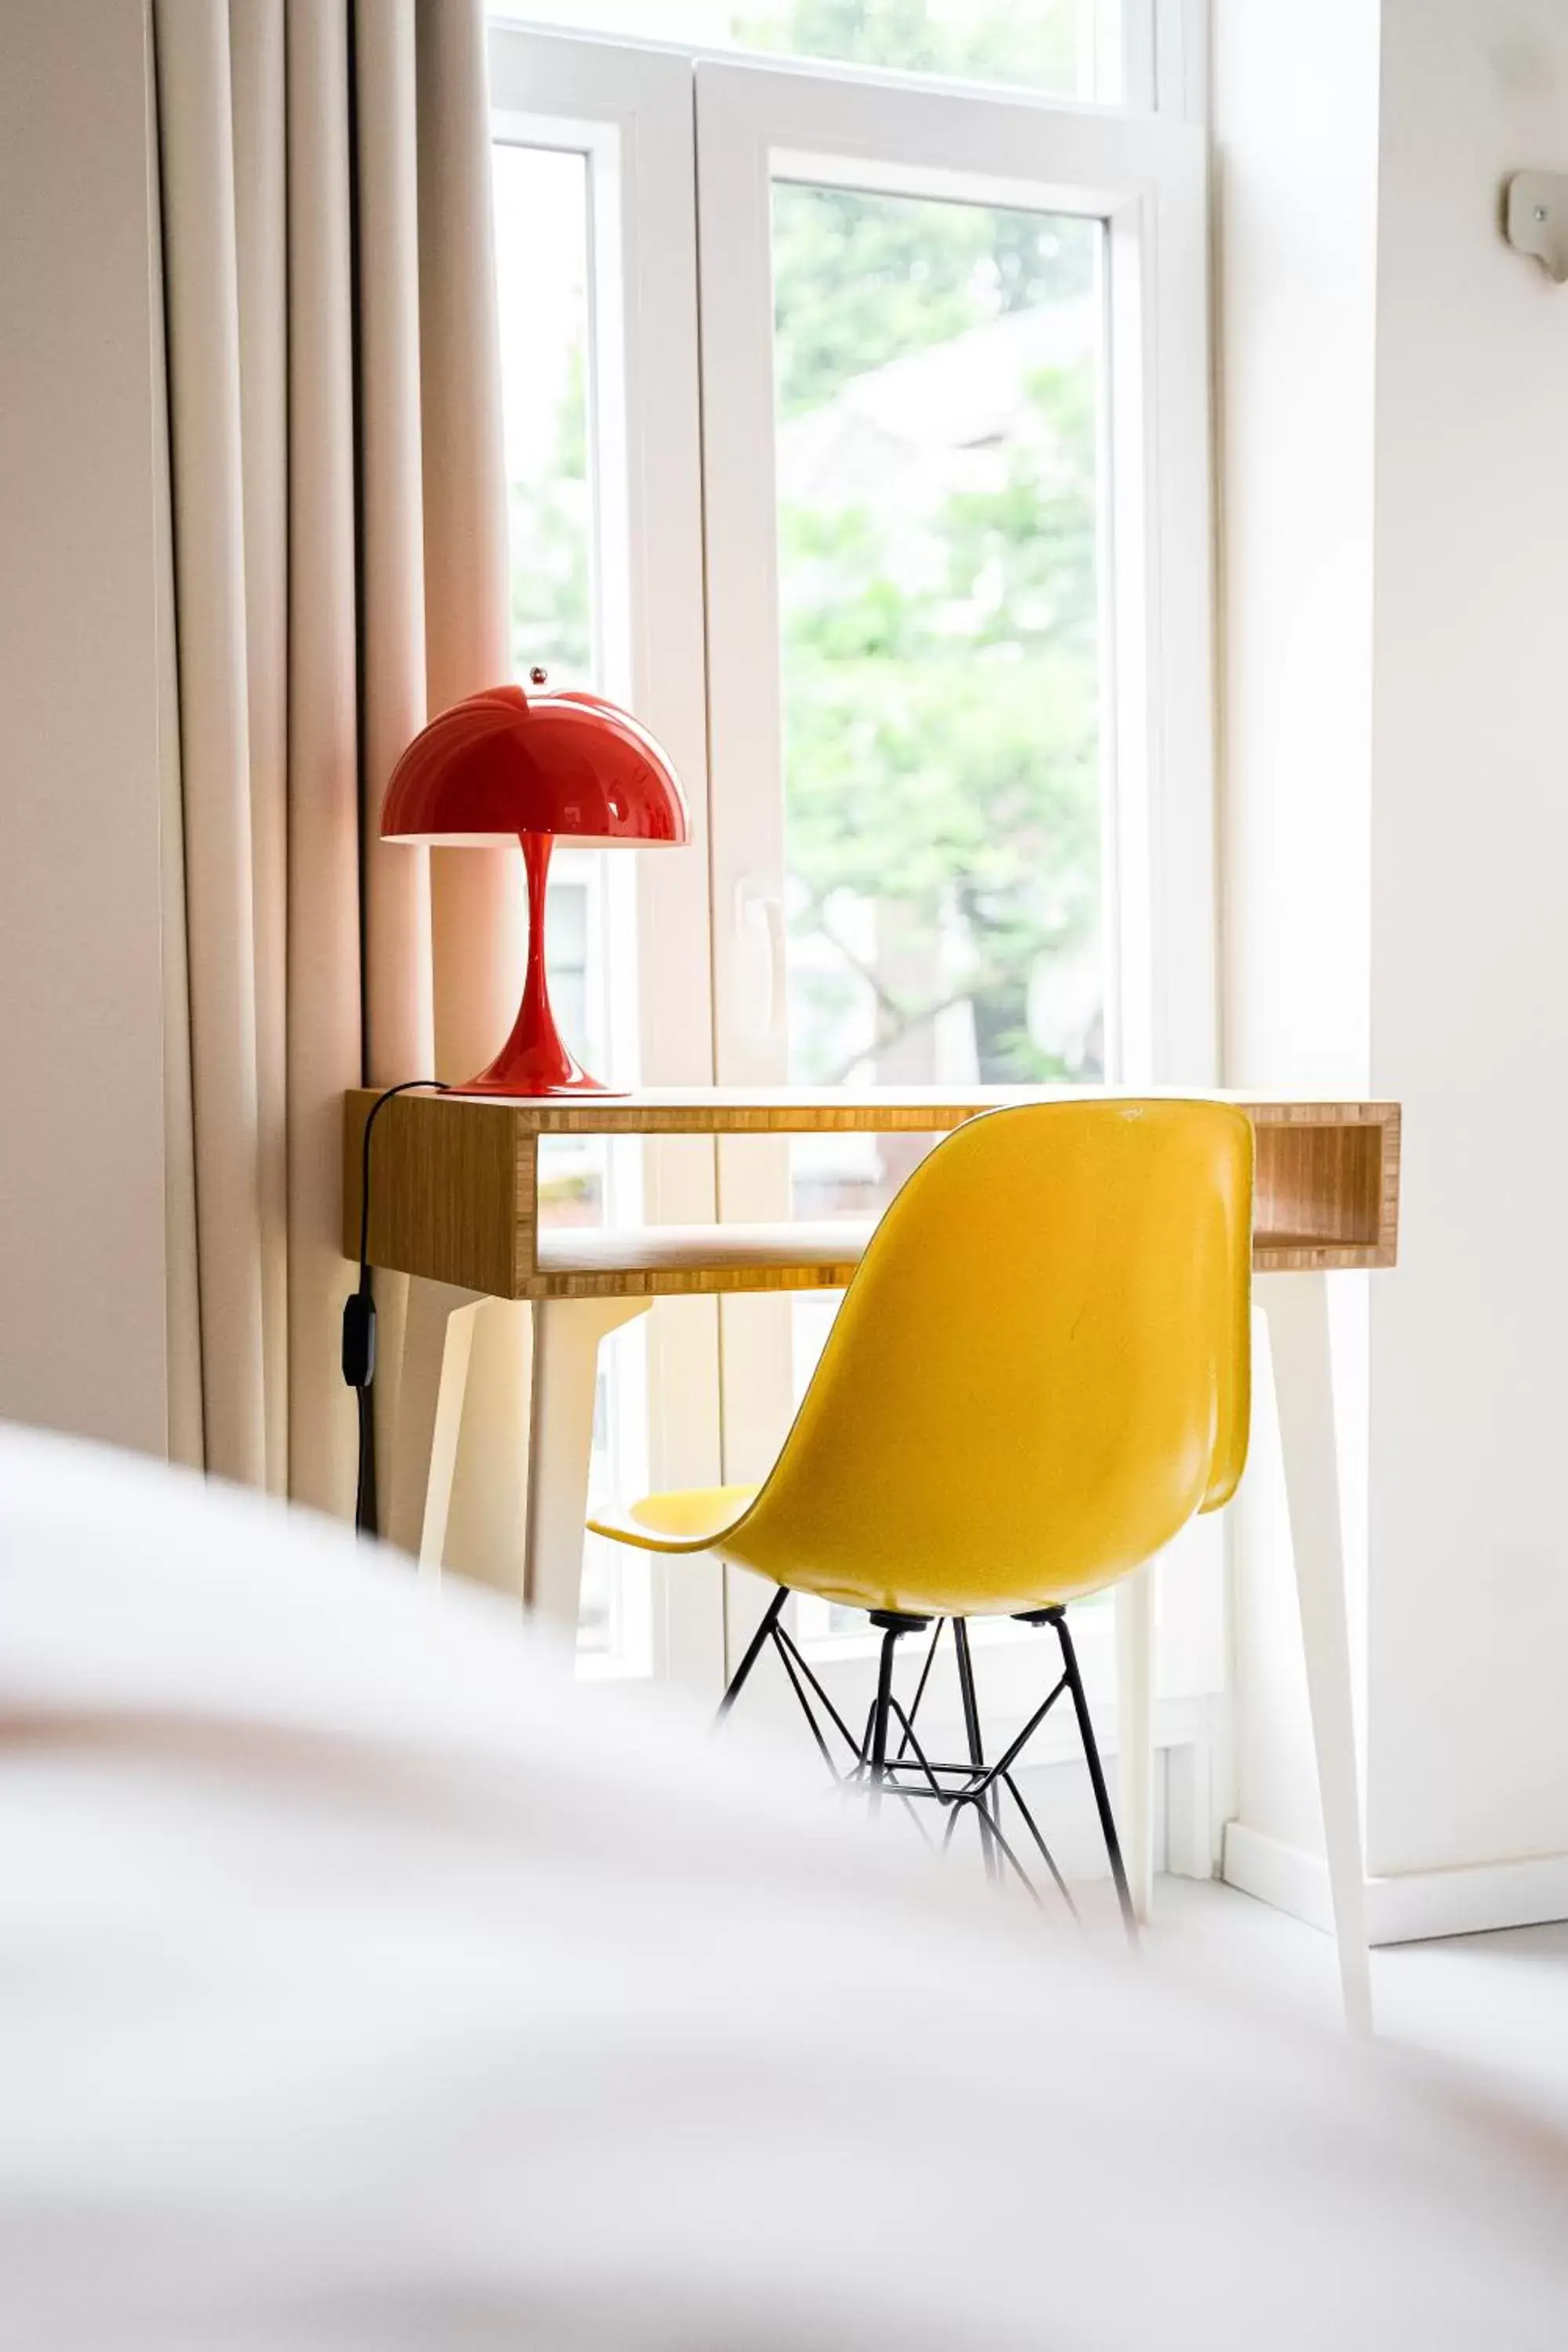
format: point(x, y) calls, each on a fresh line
point(505, 766)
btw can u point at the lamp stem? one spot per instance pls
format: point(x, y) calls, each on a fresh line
point(536, 849)
point(535, 1059)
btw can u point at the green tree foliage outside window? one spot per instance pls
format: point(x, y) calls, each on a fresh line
point(551, 538)
point(942, 733)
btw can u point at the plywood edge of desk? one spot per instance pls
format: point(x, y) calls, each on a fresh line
point(1284, 1253)
point(658, 1262)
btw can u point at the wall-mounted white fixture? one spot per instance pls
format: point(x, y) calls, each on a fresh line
point(1537, 219)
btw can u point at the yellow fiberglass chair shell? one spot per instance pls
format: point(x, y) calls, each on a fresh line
point(1040, 1373)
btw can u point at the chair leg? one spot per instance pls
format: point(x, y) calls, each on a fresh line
point(881, 1712)
point(971, 1735)
point(1058, 1617)
point(754, 1649)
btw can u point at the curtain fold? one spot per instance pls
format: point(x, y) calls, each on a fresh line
point(182, 1299)
point(333, 407)
point(400, 1032)
point(477, 902)
point(477, 907)
point(256, 91)
point(324, 1044)
point(400, 1037)
point(202, 308)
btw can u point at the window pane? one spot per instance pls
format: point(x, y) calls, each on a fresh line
point(543, 272)
point(1064, 47)
point(939, 373)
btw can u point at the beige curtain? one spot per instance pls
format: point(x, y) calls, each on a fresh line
point(337, 531)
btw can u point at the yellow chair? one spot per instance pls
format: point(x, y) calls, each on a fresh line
point(1039, 1374)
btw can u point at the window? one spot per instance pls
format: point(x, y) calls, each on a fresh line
point(858, 436)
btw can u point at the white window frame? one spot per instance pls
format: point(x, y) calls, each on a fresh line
point(628, 111)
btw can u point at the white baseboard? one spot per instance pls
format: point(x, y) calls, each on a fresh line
point(1407, 1908)
point(1286, 1877)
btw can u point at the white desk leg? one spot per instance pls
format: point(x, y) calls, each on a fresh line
point(438, 1334)
point(1297, 1306)
point(566, 1336)
point(1135, 1733)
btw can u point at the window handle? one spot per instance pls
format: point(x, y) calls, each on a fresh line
point(760, 931)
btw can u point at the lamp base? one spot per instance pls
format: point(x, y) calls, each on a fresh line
point(524, 1089)
point(539, 1063)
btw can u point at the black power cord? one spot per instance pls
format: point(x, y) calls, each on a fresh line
point(359, 1319)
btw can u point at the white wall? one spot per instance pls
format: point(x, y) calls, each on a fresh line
point(1469, 1628)
point(1395, 467)
point(81, 1137)
point(1295, 121)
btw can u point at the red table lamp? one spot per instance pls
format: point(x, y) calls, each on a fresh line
point(506, 766)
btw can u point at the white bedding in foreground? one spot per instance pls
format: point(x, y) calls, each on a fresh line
point(359, 1987)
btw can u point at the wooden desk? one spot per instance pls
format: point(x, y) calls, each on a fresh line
point(454, 1196)
point(454, 1203)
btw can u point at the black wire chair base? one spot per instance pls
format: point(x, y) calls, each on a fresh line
point(886, 1762)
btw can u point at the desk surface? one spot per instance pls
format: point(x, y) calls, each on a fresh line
point(453, 1193)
